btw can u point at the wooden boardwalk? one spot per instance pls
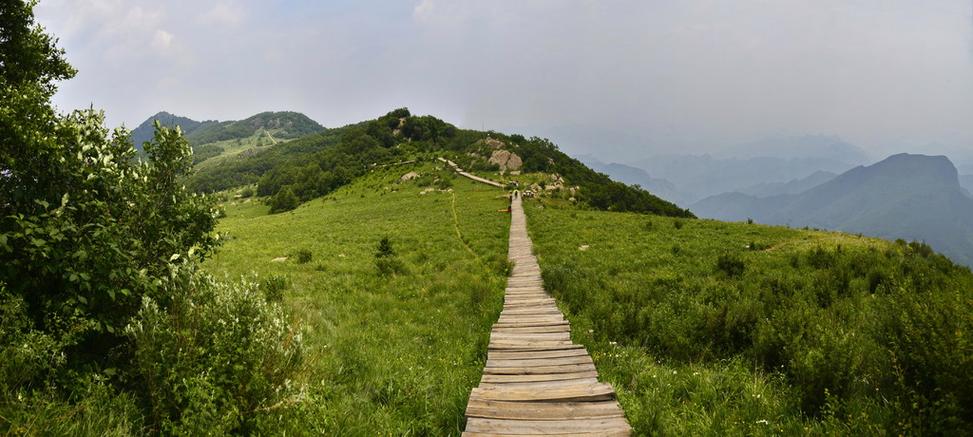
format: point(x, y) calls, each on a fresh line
point(536, 380)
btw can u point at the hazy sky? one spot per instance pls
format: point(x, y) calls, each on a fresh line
point(623, 78)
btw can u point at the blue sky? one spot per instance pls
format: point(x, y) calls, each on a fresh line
point(623, 78)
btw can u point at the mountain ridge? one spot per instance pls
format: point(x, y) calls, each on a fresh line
point(907, 196)
point(285, 124)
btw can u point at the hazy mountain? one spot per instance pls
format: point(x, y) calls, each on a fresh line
point(634, 176)
point(795, 186)
point(966, 181)
point(914, 197)
point(700, 176)
point(283, 125)
point(819, 147)
point(145, 131)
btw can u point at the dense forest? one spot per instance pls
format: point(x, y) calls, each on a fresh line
point(317, 164)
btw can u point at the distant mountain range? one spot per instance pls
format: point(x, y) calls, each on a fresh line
point(966, 181)
point(794, 186)
point(284, 125)
point(914, 197)
point(634, 176)
point(815, 147)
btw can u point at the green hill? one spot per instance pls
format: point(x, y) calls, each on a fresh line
point(706, 327)
point(397, 346)
point(317, 164)
point(700, 325)
point(213, 138)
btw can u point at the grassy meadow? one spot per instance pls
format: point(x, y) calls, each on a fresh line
point(712, 328)
point(392, 351)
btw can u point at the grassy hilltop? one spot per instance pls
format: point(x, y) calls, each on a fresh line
point(395, 346)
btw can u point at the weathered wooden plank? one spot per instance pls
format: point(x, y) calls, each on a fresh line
point(542, 410)
point(578, 393)
point(496, 379)
point(579, 359)
point(532, 329)
point(537, 370)
point(572, 434)
point(534, 355)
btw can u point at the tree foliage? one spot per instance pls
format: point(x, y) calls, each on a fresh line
point(93, 239)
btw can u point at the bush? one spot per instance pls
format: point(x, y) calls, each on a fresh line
point(731, 265)
point(273, 287)
point(678, 224)
point(304, 256)
point(246, 192)
point(385, 248)
point(284, 200)
point(218, 360)
point(386, 261)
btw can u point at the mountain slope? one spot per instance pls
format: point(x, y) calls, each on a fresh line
point(146, 130)
point(905, 196)
point(794, 186)
point(317, 164)
point(634, 176)
point(283, 125)
point(700, 176)
point(966, 181)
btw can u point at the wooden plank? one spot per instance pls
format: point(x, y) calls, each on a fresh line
point(536, 370)
point(530, 336)
point(533, 329)
point(527, 355)
point(546, 427)
point(582, 393)
point(528, 324)
point(497, 379)
point(579, 359)
point(625, 433)
point(542, 410)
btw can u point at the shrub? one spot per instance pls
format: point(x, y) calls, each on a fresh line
point(246, 192)
point(731, 265)
point(386, 261)
point(220, 358)
point(385, 248)
point(273, 287)
point(304, 256)
point(284, 200)
point(678, 224)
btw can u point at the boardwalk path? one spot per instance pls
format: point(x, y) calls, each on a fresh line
point(536, 380)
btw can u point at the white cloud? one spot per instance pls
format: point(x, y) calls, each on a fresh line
point(225, 14)
point(162, 40)
point(423, 9)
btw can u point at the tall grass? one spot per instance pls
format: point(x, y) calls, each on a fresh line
point(388, 354)
point(755, 329)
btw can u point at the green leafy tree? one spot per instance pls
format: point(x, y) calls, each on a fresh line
point(285, 200)
point(86, 229)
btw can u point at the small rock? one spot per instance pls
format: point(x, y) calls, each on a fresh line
point(409, 176)
point(583, 247)
point(279, 259)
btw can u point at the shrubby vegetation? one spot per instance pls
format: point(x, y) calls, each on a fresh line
point(847, 335)
point(94, 242)
point(318, 164)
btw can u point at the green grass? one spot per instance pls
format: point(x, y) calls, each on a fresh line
point(259, 141)
point(820, 332)
point(390, 354)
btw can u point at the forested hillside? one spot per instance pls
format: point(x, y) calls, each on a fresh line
point(317, 164)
